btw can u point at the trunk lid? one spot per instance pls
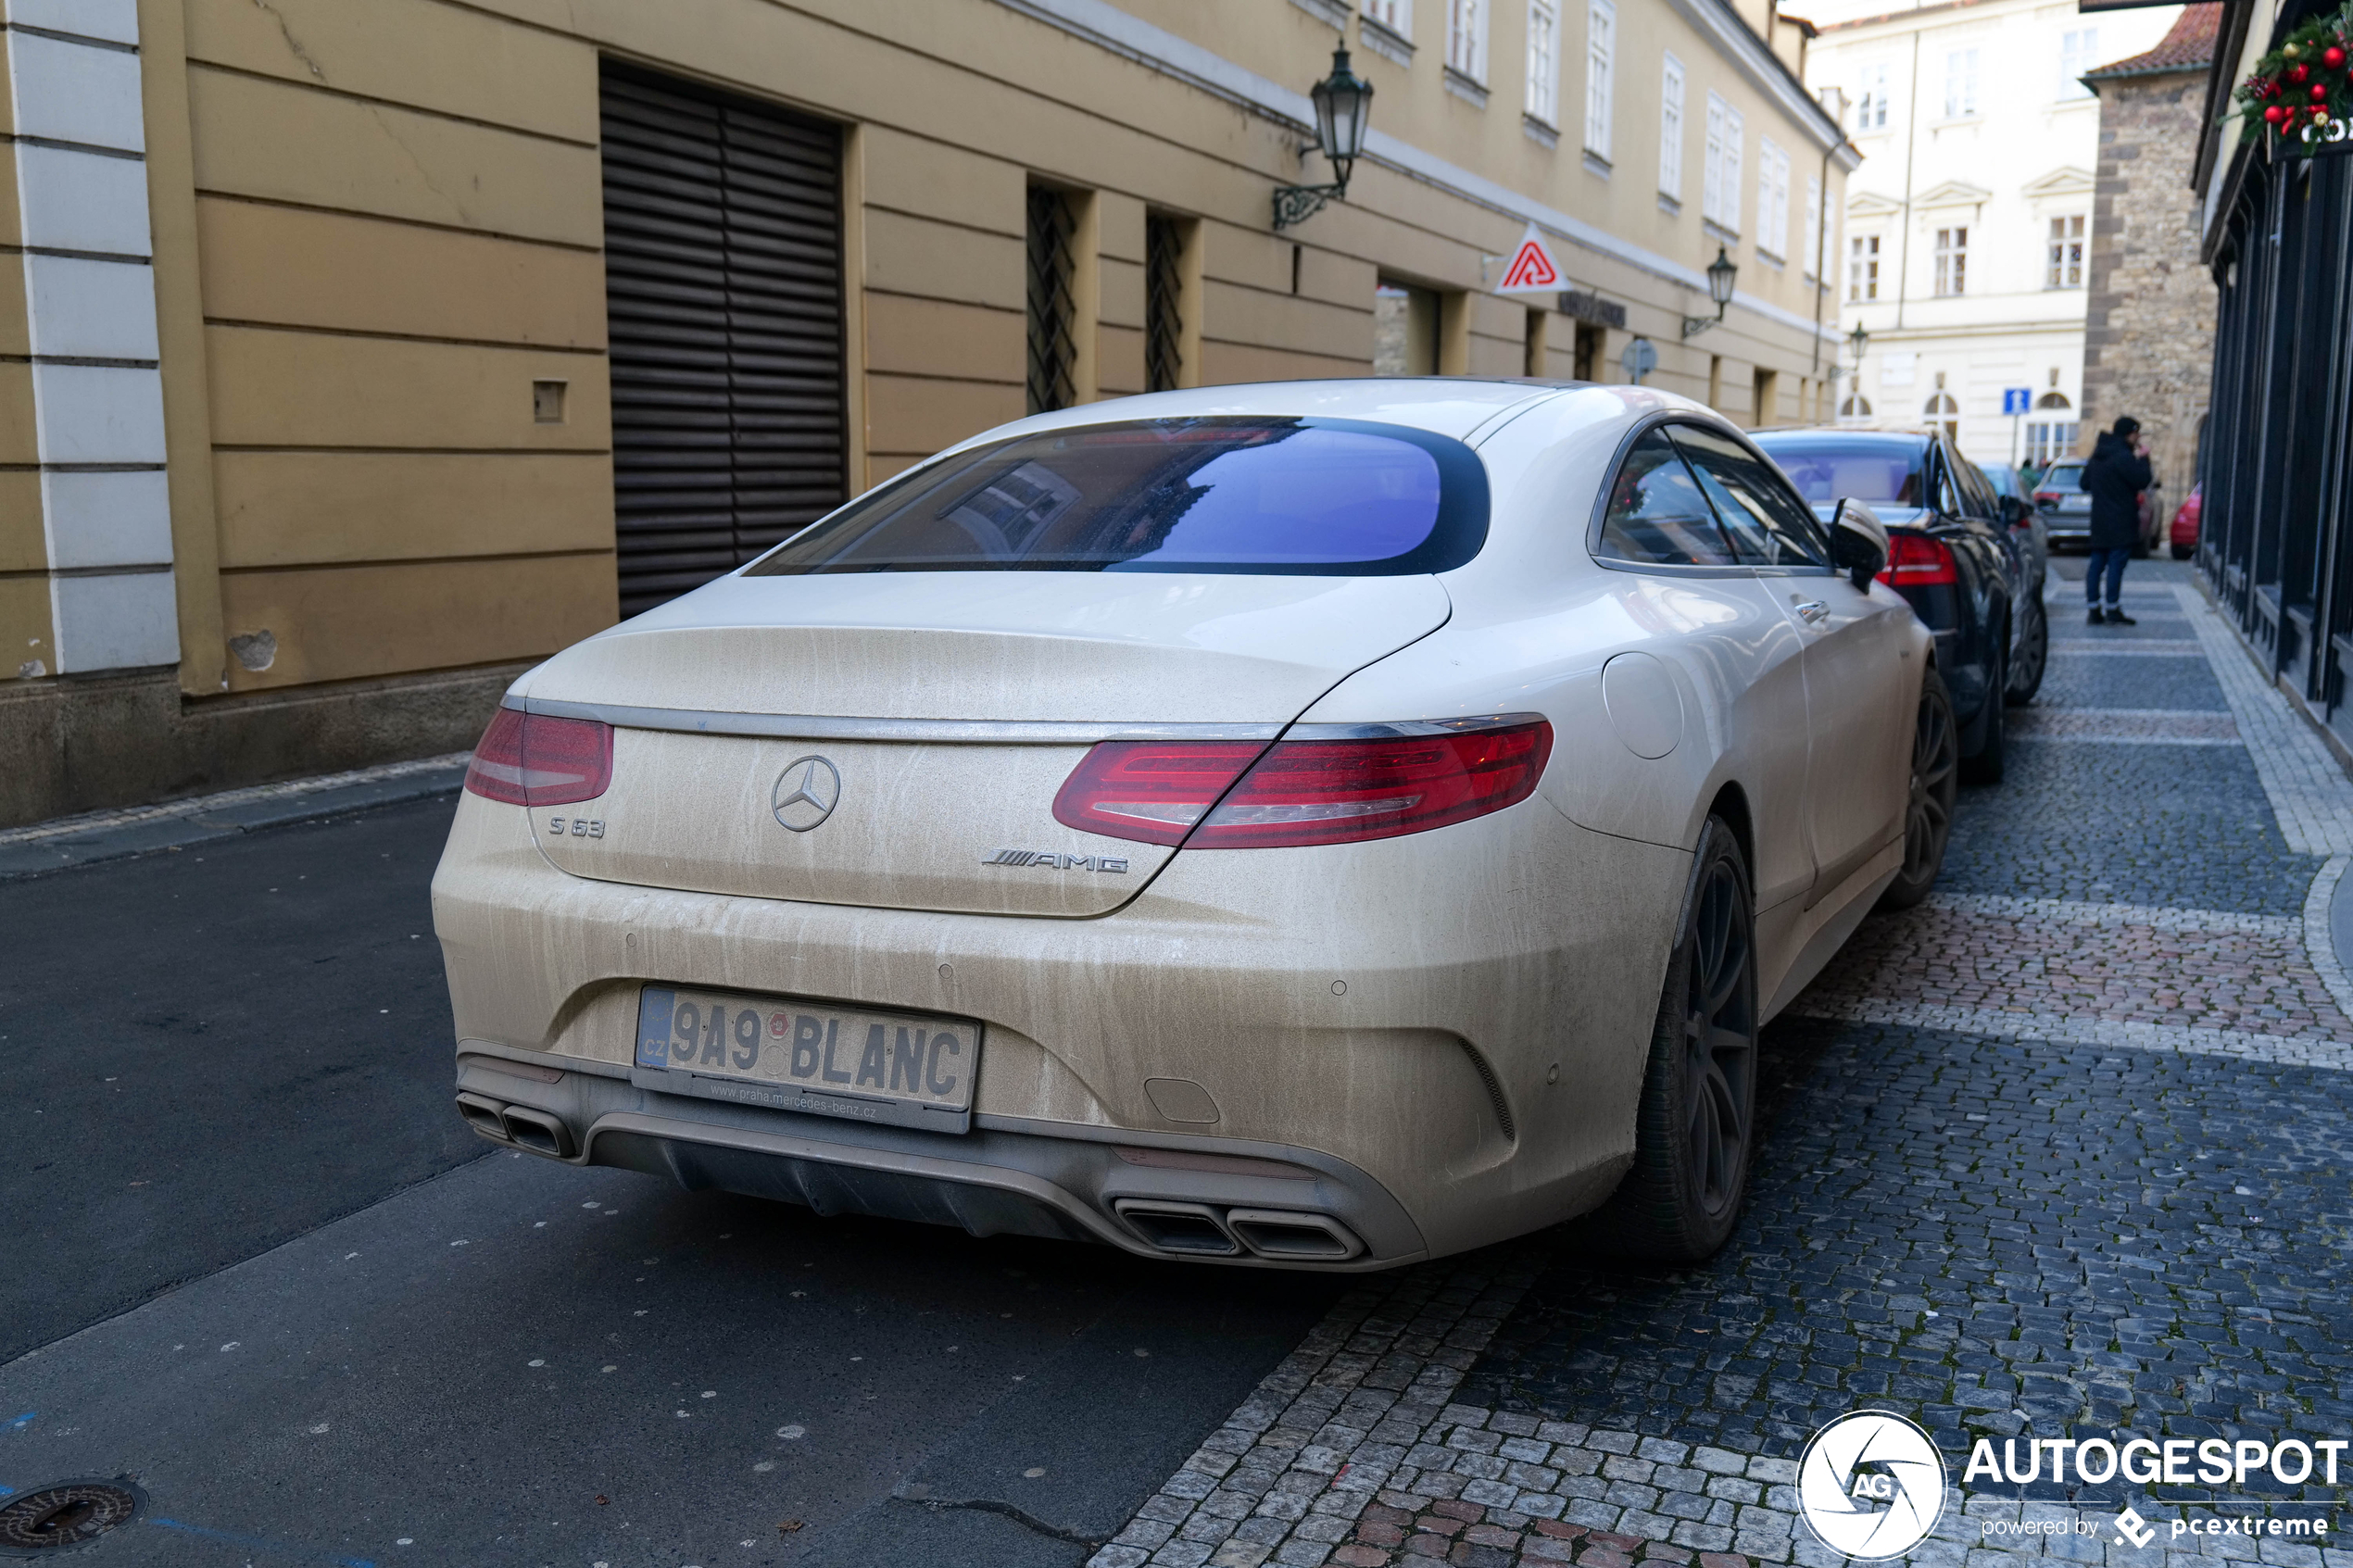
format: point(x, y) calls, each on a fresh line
point(942, 712)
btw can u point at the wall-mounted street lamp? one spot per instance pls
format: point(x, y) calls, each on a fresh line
point(1720, 273)
point(1857, 341)
point(1343, 106)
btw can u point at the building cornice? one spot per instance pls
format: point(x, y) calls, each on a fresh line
point(1104, 24)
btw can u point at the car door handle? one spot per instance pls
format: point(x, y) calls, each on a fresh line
point(1812, 611)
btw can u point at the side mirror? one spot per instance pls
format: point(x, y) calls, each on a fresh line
point(2016, 512)
point(1858, 542)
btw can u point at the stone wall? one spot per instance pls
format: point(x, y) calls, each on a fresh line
point(2149, 341)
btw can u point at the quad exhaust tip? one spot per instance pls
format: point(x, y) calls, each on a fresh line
point(517, 1125)
point(1196, 1230)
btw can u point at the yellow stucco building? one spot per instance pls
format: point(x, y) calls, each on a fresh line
point(357, 355)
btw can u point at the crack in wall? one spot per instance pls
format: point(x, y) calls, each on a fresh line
point(294, 45)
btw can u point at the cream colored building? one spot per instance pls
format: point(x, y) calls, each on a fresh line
point(360, 354)
point(1966, 247)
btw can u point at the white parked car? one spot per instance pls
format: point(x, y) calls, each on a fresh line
point(1312, 824)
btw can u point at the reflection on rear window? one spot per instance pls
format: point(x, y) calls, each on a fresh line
point(1824, 468)
point(1268, 496)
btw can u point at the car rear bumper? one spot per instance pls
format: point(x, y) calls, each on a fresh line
point(1441, 1047)
point(1215, 1199)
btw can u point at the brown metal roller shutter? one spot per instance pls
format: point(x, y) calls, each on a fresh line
point(724, 296)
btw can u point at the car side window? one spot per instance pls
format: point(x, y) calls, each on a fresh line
point(1977, 491)
point(1767, 524)
point(1948, 493)
point(1656, 515)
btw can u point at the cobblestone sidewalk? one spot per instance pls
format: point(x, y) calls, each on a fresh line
point(2064, 1150)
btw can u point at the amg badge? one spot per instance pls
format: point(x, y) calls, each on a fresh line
point(1046, 859)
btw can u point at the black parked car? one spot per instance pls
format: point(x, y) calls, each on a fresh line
point(1952, 551)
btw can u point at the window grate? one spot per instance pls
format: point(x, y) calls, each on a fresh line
point(1052, 345)
point(1163, 310)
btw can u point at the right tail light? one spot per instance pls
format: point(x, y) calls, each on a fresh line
point(1230, 795)
point(1914, 561)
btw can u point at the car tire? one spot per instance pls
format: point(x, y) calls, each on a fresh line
point(1986, 764)
point(2033, 655)
point(1695, 1128)
point(1935, 785)
point(2184, 552)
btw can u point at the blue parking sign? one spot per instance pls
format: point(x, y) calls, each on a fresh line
point(2015, 399)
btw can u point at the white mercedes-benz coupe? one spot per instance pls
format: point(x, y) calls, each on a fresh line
point(1318, 824)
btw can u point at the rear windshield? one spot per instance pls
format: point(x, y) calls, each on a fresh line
point(1277, 496)
point(1883, 470)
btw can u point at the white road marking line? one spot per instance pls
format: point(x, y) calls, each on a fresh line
point(2287, 1050)
point(2077, 911)
point(2041, 738)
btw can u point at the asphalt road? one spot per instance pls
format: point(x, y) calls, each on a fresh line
point(265, 1274)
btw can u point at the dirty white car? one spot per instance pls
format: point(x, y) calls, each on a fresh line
point(1314, 824)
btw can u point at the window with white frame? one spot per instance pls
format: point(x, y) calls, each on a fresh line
point(1870, 100)
point(1772, 200)
point(1940, 412)
point(1396, 15)
point(1960, 84)
point(1952, 261)
point(1862, 267)
point(1467, 38)
point(1544, 60)
point(1601, 44)
point(2079, 51)
point(1813, 226)
point(1670, 129)
point(1719, 200)
point(2049, 440)
point(2065, 269)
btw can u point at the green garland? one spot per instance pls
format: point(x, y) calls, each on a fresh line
point(2304, 83)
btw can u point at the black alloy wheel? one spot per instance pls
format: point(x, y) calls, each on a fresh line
point(1935, 785)
point(2033, 653)
point(1694, 1130)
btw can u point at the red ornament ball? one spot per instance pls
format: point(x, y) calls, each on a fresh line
point(2333, 57)
point(2319, 92)
point(2296, 74)
point(2274, 114)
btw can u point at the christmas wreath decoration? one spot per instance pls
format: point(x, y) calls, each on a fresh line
point(2304, 83)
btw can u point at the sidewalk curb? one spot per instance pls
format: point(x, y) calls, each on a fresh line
point(97, 836)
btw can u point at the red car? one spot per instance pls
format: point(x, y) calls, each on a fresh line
point(2185, 525)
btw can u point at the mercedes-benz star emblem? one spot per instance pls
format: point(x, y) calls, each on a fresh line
point(806, 793)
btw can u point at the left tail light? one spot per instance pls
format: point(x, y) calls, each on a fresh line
point(531, 760)
point(1226, 795)
point(1916, 561)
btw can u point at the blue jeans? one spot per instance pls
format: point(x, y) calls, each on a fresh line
point(2112, 562)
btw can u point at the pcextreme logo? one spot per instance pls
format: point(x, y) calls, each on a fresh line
point(1871, 1485)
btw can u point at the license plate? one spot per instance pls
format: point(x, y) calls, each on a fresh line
point(2075, 503)
point(895, 1069)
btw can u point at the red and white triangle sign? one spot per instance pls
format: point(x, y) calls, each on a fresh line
point(1531, 270)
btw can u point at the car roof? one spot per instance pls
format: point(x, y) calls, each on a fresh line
point(1461, 406)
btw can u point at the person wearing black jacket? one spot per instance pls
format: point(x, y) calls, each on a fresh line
point(2114, 476)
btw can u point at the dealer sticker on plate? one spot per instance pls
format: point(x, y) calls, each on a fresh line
point(895, 1069)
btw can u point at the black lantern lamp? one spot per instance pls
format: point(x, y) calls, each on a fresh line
point(1343, 106)
point(1857, 341)
point(1720, 273)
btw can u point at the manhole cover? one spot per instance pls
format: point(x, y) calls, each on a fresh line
point(66, 1515)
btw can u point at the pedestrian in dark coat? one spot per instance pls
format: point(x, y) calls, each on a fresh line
point(2114, 476)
